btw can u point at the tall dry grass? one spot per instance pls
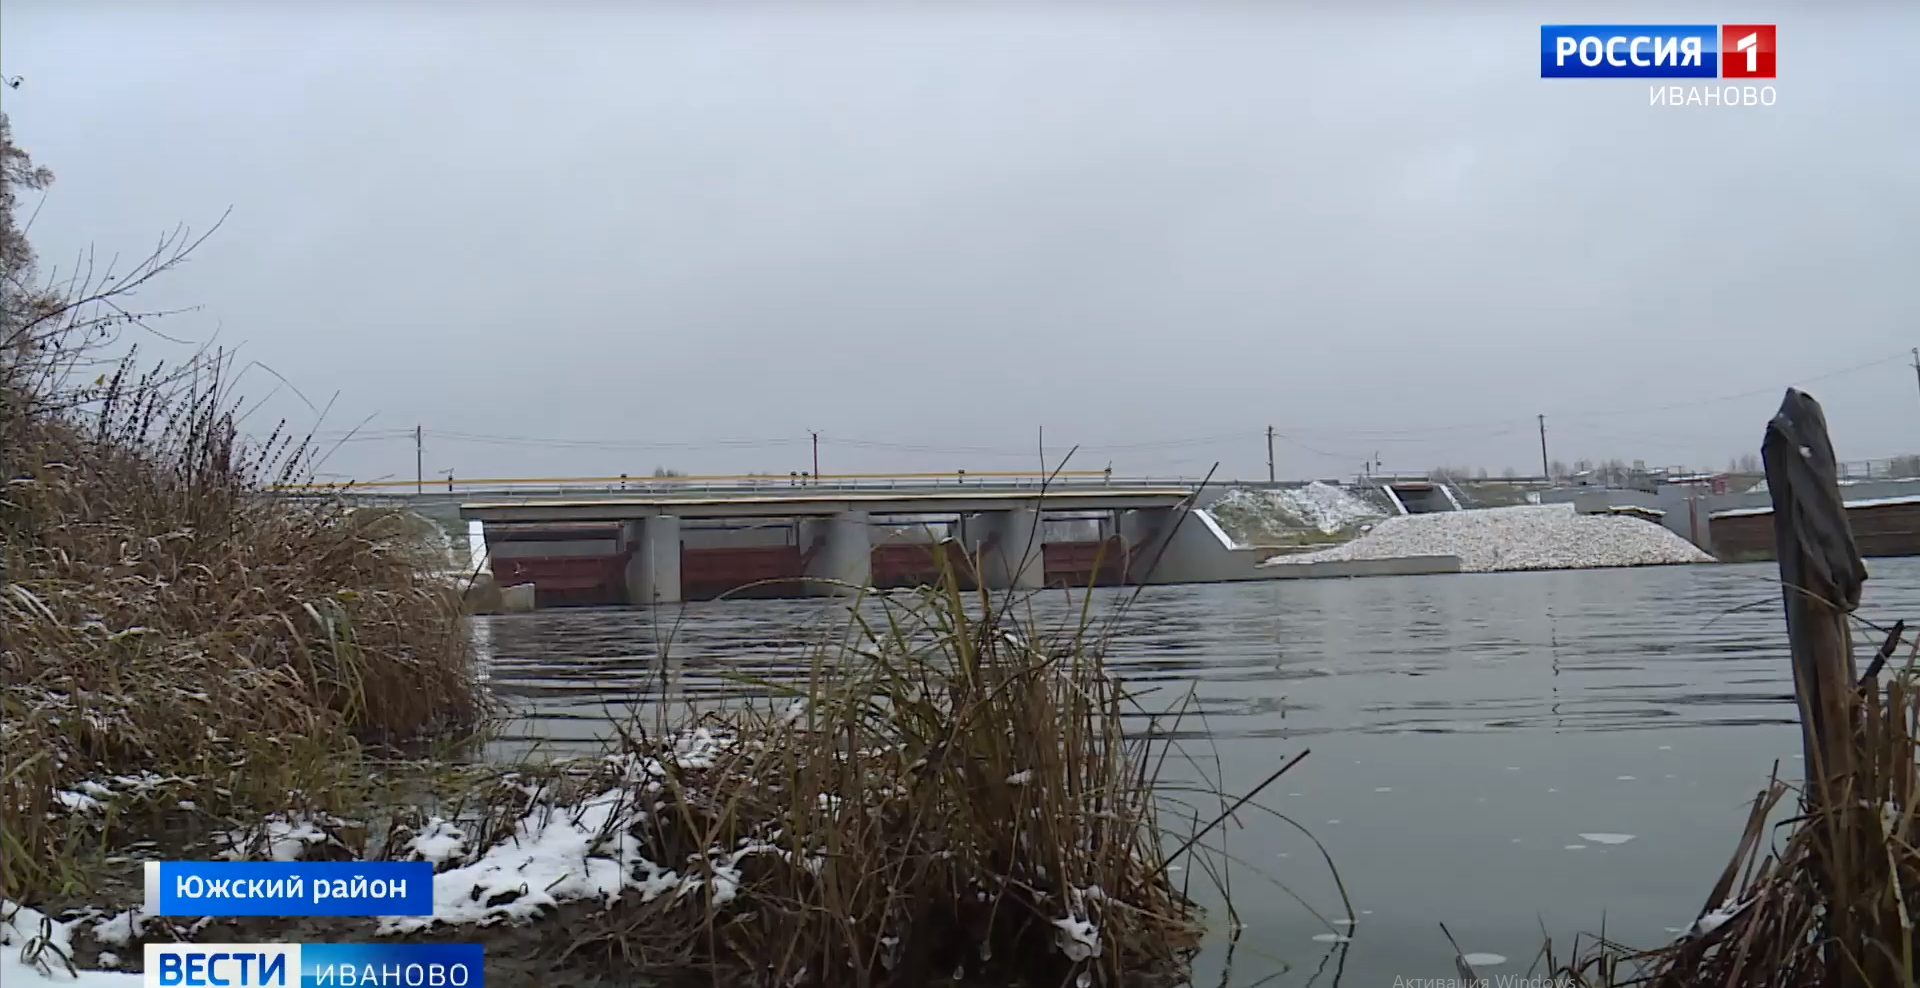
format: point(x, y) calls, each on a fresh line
point(947, 792)
point(161, 615)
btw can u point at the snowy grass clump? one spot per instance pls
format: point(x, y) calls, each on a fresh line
point(938, 798)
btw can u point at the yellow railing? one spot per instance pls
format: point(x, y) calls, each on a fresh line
point(766, 480)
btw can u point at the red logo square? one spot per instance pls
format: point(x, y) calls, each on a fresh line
point(1746, 51)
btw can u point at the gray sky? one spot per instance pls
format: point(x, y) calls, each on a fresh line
point(686, 239)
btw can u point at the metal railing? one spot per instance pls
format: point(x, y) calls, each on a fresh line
point(738, 484)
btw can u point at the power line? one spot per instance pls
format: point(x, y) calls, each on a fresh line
point(1292, 436)
point(1769, 390)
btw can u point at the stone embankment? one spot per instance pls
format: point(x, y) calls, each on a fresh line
point(1531, 537)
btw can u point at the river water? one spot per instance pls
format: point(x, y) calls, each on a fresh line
point(1465, 732)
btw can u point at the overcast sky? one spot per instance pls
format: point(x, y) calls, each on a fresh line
point(668, 237)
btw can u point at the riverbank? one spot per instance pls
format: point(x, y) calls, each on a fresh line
point(193, 670)
point(197, 672)
point(165, 623)
point(182, 652)
point(943, 797)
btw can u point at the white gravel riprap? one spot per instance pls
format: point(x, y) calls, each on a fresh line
point(1546, 536)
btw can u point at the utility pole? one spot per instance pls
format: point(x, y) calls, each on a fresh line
point(1916, 363)
point(419, 463)
point(816, 457)
point(1269, 454)
point(1546, 473)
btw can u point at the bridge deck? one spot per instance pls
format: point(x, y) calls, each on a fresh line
point(815, 504)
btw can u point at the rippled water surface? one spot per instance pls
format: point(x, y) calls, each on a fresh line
point(1480, 743)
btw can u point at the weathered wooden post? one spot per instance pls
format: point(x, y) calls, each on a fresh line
point(1821, 574)
point(1820, 569)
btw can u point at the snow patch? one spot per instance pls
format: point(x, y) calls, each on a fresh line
point(1318, 507)
point(34, 949)
point(120, 930)
point(438, 841)
point(1079, 939)
point(280, 838)
point(555, 854)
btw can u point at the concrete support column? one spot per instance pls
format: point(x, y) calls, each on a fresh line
point(842, 563)
point(1009, 544)
point(1147, 531)
point(1140, 526)
point(653, 571)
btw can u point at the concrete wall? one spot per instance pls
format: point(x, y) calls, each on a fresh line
point(916, 533)
point(1076, 529)
point(517, 599)
point(1197, 551)
point(1684, 509)
point(571, 547)
point(1404, 566)
point(1689, 508)
point(1189, 549)
point(718, 537)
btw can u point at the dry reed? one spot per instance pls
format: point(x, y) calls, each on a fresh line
point(164, 618)
point(940, 796)
point(1834, 905)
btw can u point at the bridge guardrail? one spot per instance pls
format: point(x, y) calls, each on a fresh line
point(734, 484)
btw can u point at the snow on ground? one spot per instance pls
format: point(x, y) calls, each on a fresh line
point(1530, 537)
point(1326, 507)
point(33, 952)
point(585, 852)
point(438, 841)
point(555, 855)
point(1251, 514)
point(280, 837)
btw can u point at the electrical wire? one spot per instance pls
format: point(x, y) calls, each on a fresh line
point(1355, 442)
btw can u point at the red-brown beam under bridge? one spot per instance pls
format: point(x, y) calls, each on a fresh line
point(598, 549)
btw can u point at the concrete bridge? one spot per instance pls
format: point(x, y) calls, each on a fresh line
point(678, 540)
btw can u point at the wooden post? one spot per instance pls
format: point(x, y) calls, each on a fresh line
point(1821, 574)
point(1820, 571)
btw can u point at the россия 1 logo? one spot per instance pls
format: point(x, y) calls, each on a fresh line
point(1665, 51)
point(1656, 51)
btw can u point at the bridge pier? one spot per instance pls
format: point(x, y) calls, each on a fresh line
point(598, 547)
point(1146, 533)
point(842, 562)
point(1009, 547)
point(653, 571)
